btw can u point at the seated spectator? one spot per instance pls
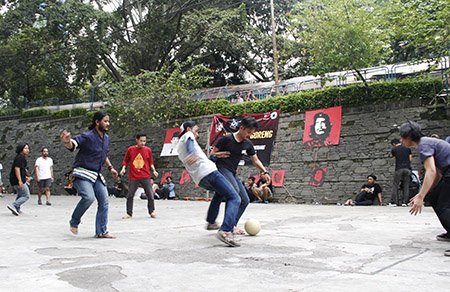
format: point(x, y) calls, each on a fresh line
point(154, 187)
point(118, 189)
point(168, 190)
point(368, 193)
point(264, 188)
point(250, 188)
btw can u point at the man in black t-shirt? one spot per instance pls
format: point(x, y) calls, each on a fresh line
point(18, 178)
point(402, 157)
point(264, 189)
point(368, 193)
point(229, 151)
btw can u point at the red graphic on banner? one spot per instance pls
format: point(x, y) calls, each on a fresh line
point(317, 177)
point(278, 178)
point(263, 139)
point(256, 176)
point(170, 142)
point(185, 177)
point(322, 127)
point(164, 175)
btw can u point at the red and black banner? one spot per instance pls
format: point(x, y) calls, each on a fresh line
point(263, 139)
point(322, 127)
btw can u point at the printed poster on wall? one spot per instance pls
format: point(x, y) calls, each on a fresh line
point(263, 139)
point(170, 142)
point(317, 177)
point(322, 127)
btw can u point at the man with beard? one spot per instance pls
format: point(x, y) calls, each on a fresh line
point(87, 167)
point(44, 175)
point(320, 130)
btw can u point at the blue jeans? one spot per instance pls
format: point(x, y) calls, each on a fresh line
point(216, 182)
point(88, 193)
point(22, 196)
point(239, 188)
point(362, 200)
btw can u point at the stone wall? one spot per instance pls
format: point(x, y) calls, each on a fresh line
point(364, 148)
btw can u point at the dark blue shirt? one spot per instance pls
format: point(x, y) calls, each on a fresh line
point(93, 150)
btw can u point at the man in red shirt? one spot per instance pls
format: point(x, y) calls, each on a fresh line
point(141, 161)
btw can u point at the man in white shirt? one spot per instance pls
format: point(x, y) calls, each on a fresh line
point(205, 174)
point(44, 175)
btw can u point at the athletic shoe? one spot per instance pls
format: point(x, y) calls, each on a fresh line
point(443, 237)
point(126, 216)
point(266, 202)
point(348, 202)
point(48, 203)
point(213, 226)
point(13, 210)
point(153, 214)
point(392, 205)
point(403, 205)
point(258, 201)
point(447, 253)
point(227, 237)
point(39, 202)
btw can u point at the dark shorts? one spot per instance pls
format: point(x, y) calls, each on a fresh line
point(43, 183)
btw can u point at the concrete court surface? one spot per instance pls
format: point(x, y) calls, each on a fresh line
point(300, 248)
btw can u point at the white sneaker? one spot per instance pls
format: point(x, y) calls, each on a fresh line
point(392, 205)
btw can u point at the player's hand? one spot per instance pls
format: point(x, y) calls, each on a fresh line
point(155, 173)
point(21, 185)
point(222, 154)
point(417, 204)
point(114, 173)
point(122, 171)
point(65, 136)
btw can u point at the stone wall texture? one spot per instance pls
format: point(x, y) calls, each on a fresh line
point(364, 149)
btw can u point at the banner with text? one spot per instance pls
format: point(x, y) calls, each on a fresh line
point(263, 139)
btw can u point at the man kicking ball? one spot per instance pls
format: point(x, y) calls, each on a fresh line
point(205, 174)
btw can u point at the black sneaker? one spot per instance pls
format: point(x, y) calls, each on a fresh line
point(227, 237)
point(48, 203)
point(447, 253)
point(13, 210)
point(443, 237)
point(39, 202)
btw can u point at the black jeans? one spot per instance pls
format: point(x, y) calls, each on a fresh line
point(147, 185)
point(439, 199)
point(401, 175)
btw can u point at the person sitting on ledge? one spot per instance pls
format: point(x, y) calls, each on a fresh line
point(368, 193)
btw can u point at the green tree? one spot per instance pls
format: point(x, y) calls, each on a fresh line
point(154, 96)
point(420, 29)
point(339, 35)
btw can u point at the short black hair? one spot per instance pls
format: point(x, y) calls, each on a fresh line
point(372, 176)
point(249, 123)
point(169, 177)
point(44, 148)
point(411, 129)
point(395, 141)
point(138, 136)
point(20, 147)
point(252, 178)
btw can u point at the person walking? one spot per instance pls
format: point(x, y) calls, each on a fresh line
point(18, 178)
point(44, 175)
point(90, 183)
point(140, 159)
